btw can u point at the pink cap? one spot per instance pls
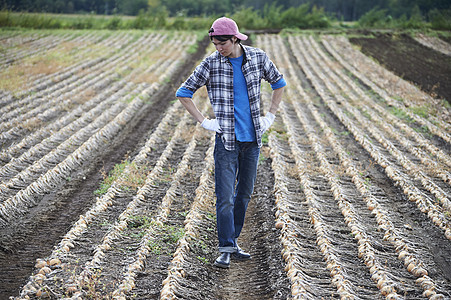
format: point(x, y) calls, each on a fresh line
point(226, 26)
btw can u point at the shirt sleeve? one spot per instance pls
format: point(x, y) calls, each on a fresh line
point(270, 72)
point(197, 79)
point(184, 93)
point(279, 84)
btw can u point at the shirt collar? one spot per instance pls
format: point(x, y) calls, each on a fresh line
point(245, 55)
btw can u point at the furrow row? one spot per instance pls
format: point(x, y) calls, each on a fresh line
point(59, 80)
point(388, 122)
point(388, 86)
point(106, 203)
point(35, 109)
point(412, 168)
point(27, 197)
point(203, 203)
point(424, 202)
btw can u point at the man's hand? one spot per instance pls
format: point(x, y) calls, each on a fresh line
point(267, 121)
point(212, 125)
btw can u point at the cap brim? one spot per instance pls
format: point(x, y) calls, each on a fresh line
point(241, 36)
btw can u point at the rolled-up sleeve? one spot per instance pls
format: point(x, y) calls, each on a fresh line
point(184, 93)
point(279, 84)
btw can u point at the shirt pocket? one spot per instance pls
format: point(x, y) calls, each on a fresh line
point(253, 79)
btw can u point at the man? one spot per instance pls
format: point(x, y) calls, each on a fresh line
point(233, 76)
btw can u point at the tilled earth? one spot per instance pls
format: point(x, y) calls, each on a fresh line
point(411, 61)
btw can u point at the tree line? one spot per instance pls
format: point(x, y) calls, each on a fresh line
point(251, 14)
point(346, 10)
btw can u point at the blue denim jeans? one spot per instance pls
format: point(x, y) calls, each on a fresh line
point(235, 173)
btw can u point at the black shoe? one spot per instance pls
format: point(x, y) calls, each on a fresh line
point(223, 261)
point(240, 254)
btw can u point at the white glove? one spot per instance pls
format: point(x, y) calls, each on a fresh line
point(212, 125)
point(267, 121)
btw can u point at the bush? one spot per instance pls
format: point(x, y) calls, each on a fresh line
point(416, 20)
point(272, 16)
point(178, 24)
point(83, 23)
point(317, 18)
point(248, 18)
point(142, 21)
point(114, 23)
point(303, 17)
point(295, 17)
point(375, 18)
point(5, 19)
point(440, 20)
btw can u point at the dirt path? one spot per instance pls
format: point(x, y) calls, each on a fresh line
point(262, 277)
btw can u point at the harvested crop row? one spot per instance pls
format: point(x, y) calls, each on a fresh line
point(403, 158)
point(114, 52)
point(152, 190)
point(36, 109)
point(406, 253)
point(303, 266)
point(339, 262)
point(94, 107)
point(434, 43)
point(35, 46)
point(111, 241)
point(391, 87)
point(388, 283)
point(409, 256)
point(107, 83)
point(29, 193)
point(56, 132)
point(424, 202)
point(159, 221)
point(407, 130)
point(201, 205)
point(356, 94)
point(26, 197)
point(146, 158)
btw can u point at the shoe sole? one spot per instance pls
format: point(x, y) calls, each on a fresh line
point(222, 266)
point(240, 258)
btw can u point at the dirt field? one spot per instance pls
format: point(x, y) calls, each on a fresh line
point(410, 60)
point(107, 183)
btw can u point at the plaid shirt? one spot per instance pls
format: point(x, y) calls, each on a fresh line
point(216, 72)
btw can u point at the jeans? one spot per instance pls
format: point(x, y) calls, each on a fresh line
point(235, 173)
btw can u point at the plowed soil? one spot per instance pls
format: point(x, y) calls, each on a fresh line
point(410, 60)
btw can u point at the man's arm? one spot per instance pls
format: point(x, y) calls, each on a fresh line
point(276, 98)
point(192, 108)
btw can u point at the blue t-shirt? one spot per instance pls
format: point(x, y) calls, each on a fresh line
point(244, 127)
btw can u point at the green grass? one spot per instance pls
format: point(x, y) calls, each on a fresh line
point(401, 114)
point(165, 237)
point(136, 177)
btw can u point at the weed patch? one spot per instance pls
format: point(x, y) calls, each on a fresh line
point(126, 175)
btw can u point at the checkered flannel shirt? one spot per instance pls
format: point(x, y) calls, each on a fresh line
point(216, 73)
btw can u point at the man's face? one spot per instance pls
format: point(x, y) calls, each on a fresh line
point(225, 48)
